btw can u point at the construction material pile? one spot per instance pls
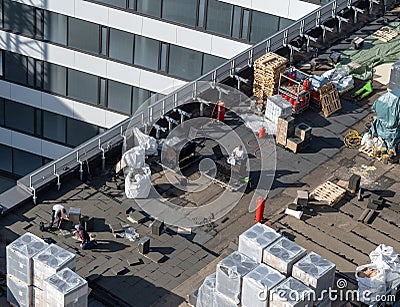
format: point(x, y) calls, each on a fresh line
point(267, 70)
point(268, 270)
point(39, 274)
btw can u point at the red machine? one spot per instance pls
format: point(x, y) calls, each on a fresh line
point(295, 87)
point(221, 111)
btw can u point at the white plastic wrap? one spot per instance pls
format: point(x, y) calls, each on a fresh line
point(388, 258)
point(371, 287)
point(340, 78)
point(257, 285)
point(222, 301)
point(148, 143)
point(138, 183)
point(291, 293)
point(66, 288)
point(18, 293)
point(277, 106)
point(19, 256)
point(253, 241)
point(315, 272)
point(50, 261)
point(229, 275)
point(282, 254)
point(134, 158)
point(206, 294)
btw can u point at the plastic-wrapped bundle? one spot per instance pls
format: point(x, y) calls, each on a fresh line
point(277, 106)
point(371, 282)
point(50, 261)
point(394, 82)
point(138, 183)
point(18, 293)
point(253, 241)
point(134, 158)
point(230, 272)
point(222, 301)
point(315, 272)
point(282, 254)
point(66, 289)
point(291, 293)
point(20, 254)
point(206, 294)
point(257, 285)
point(148, 143)
point(388, 258)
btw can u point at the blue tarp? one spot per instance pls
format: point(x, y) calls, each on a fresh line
point(386, 125)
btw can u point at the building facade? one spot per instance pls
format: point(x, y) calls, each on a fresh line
point(71, 69)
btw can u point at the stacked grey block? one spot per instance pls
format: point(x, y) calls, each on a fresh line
point(254, 240)
point(282, 254)
point(230, 273)
point(315, 272)
point(66, 289)
point(206, 294)
point(257, 285)
point(291, 293)
point(19, 256)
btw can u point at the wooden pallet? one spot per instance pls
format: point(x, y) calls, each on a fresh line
point(385, 34)
point(330, 100)
point(329, 193)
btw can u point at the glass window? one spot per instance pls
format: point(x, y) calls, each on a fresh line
point(1, 62)
point(38, 124)
point(184, 63)
point(1, 111)
point(39, 73)
point(39, 23)
point(146, 52)
point(55, 28)
point(54, 127)
point(237, 11)
point(121, 45)
point(163, 59)
point(284, 23)
point(6, 158)
point(15, 67)
point(245, 24)
point(83, 86)
point(262, 26)
point(83, 35)
point(19, 117)
point(104, 40)
point(117, 3)
point(219, 16)
point(139, 96)
point(210, 62)
point(152, 7)
point(182, 11)
point(54, 78)
point(19, 17)
point(102, 98)
point(79, 132)
point(25, 162)
point(200, 20)
point(31, 71)
point(119, 97)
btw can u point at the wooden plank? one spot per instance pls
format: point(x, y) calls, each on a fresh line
point(328, 192)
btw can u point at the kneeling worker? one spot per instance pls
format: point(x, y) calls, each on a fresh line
point(86, 241)
point(56, 214)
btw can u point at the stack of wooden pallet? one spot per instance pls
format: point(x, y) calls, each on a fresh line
point(385, 34)
point(330, 100)
point(267, 70)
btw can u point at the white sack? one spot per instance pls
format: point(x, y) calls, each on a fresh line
point(148, 143)
point(386, 257)
point(370, 287)
point(138, 183)
point(134, 158)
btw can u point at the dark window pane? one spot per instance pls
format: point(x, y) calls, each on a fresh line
point(83, 86)
point(104, 40)
point(163, 60)
point(79, 132)
point(117, 3)
point(119, 97)
point(150, 7)
point(139, 96)
point(31, 72)
point(211, 62)
point(184, 63)
point(25, 162)
point(19, 17)
point(54, 78)
point(83, 35)
point(39, 73)
point(245, 24)
point(15, 68)
point(219, 16)
point(38, 124)
point(39, 24)
point(102, 98)
point(5, 158)
point(19, 117)
point(182, 11)
point(55, 28)
point(200, 21)
point(54, 127)
point(284, 23)
point(1, 111)
point(236, 21)
point(146, 52)
point(262, 26)
point(121, 45)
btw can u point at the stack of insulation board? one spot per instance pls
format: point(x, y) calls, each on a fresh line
point(291, 293)
point(47, 263)
point(65, 288)
point(267, 70)
point(19, 256)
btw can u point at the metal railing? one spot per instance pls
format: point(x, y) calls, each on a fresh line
point(114, 136)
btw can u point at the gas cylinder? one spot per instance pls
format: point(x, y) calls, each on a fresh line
point(221, 111)
point(292, 101)
point(291, 77)
point(261, 133)
point(306, 85)
point(260, 209)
